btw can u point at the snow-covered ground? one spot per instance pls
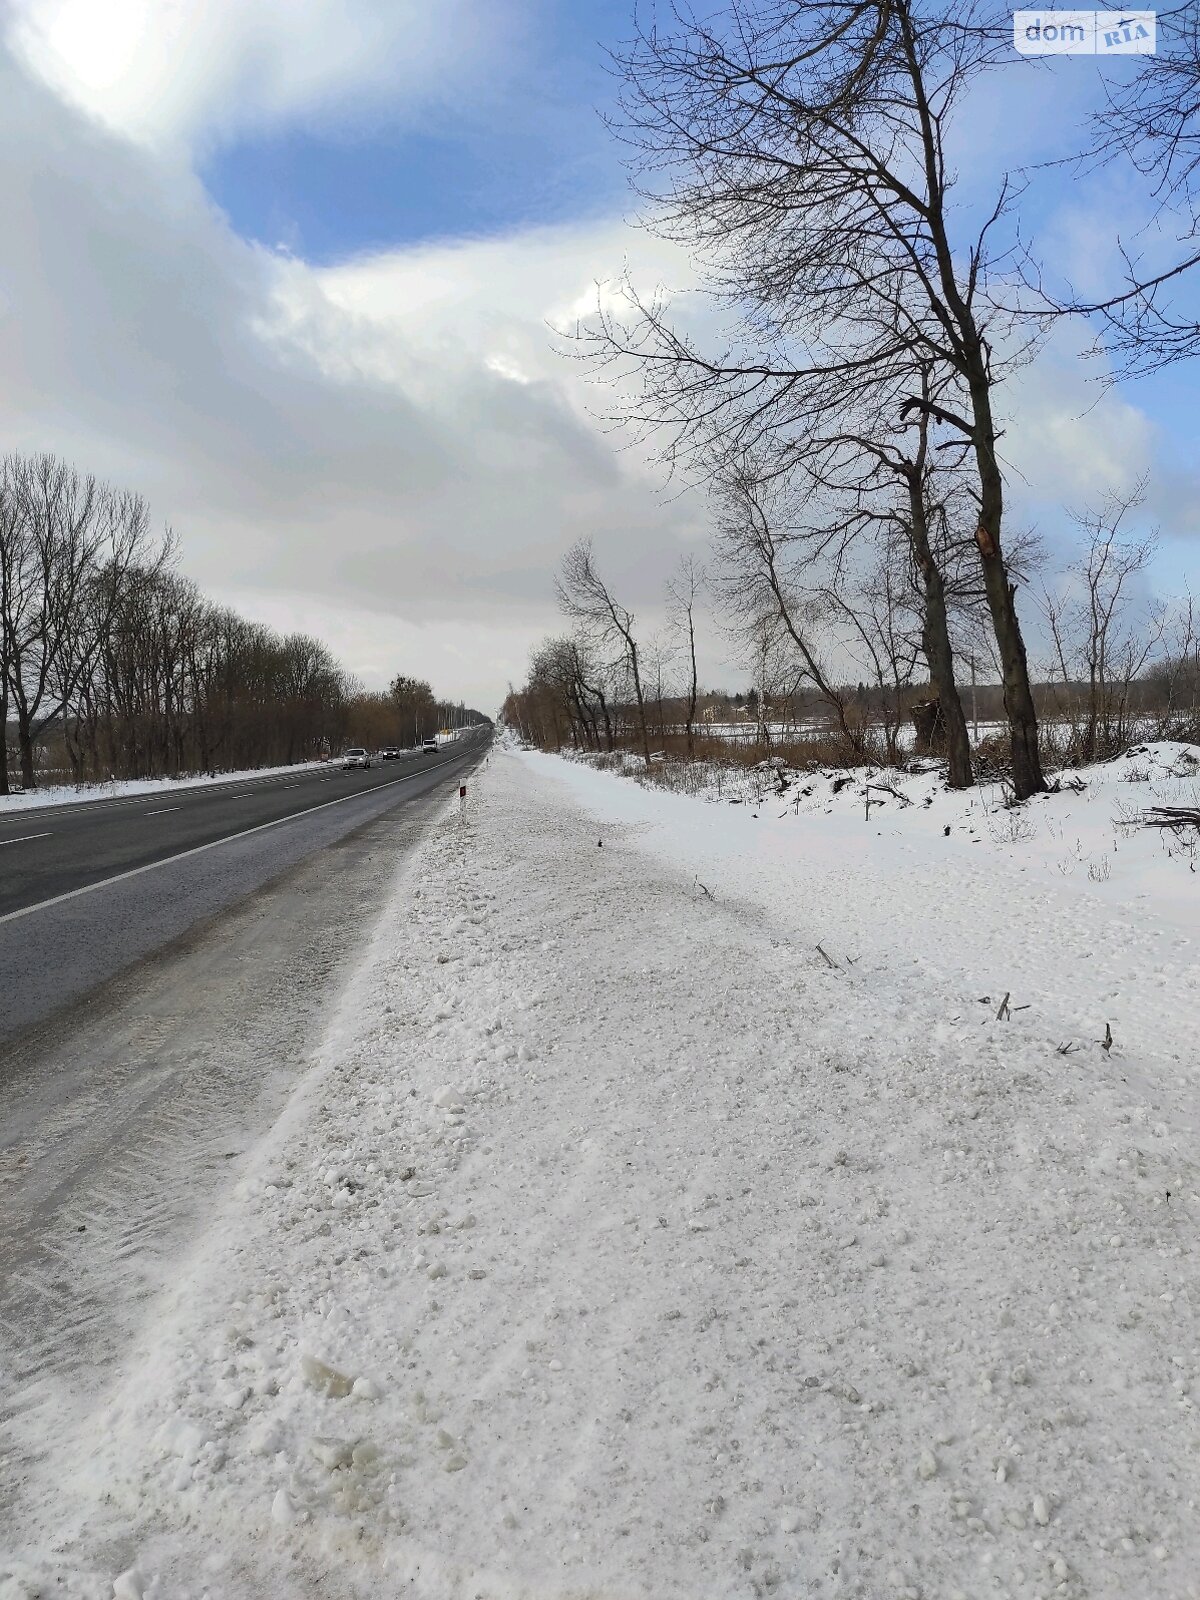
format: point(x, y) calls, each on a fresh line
point(59, 794)
point(1090, 829)
point(621, 1243)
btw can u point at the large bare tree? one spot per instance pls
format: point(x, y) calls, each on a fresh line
point(798, 149)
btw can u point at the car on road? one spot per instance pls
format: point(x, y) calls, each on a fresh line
point(391, 752)
point(355, 758)
point(429, 744)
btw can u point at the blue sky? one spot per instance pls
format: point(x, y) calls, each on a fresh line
point(531, 149)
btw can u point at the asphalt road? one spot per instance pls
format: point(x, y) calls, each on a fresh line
point(87, 890)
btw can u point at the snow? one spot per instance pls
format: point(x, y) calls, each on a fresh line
point(60, 794)
point(620, 1244)
point(1088, 832)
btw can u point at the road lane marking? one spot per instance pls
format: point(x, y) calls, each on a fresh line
point(199, 849)
point(25, 838)
point(163, 812)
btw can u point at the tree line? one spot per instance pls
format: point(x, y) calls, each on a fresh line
point(849, 424)
point(118, 664)
point(1118, 665)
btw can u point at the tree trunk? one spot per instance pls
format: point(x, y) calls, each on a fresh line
point(1093, 719)
point(973, 362)
point(935, 640)
point(691, 716)
point(25, 746)
point(1001, 596)
point(641, 699)
point(1018, 696)
point(609, 741)
point(935, 628)
point(929, 726)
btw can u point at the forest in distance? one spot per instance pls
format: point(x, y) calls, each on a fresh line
point(113, 664)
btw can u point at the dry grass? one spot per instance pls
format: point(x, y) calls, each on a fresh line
point(803, 752)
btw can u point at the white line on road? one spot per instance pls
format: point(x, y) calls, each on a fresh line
point(163, 812)
point(24, 839)
point(199, 849)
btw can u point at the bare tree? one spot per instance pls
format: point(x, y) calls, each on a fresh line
point(880, 635)
point(1172, 682)
point(798, 148)
point(563, 698)
point(683, 593)
point(591, 678)
point(556, 667)
point(70, 541)
point(759, 580)
point(1103, 636)
point(585, 597)
point(913, 502)
point(1151, 118)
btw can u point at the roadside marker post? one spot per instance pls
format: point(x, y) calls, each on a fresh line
point(462, 801)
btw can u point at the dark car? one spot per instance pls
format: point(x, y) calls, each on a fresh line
point(390, 752)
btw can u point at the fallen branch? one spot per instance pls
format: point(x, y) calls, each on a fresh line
point(829, 959)
point(1176, 818)
point(896, 794)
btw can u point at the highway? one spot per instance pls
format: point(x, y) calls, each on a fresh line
point(87, 890)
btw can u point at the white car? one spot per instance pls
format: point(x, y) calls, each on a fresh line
point(355, 758)
point(430, 744)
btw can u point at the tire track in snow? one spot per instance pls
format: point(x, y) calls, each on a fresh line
point(136, 1106)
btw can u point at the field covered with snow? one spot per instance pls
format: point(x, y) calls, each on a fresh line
point(622, 1244)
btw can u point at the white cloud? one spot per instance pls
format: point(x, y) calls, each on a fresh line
point(174, 74)
point(1070, 439)
point(339, 440)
